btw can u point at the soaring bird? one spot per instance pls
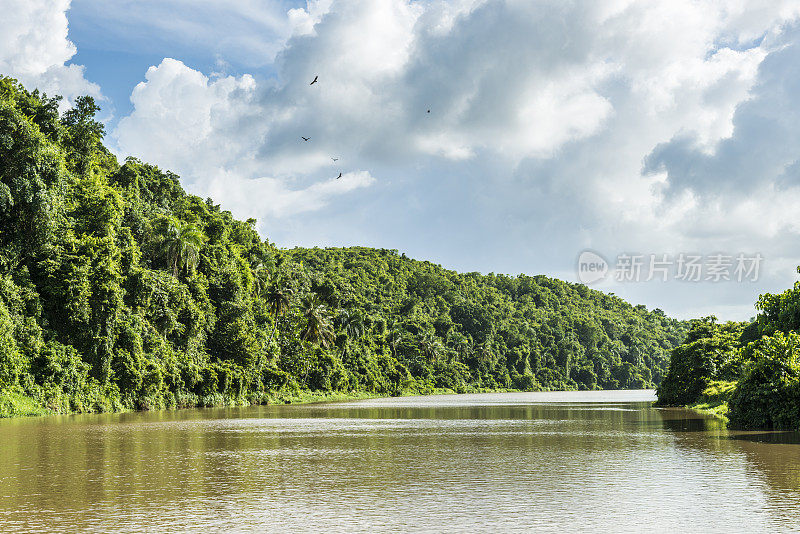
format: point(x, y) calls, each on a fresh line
point(340, 175)
point(335, 159)
point(304, 138)
point(429, 111)
point(315, 80)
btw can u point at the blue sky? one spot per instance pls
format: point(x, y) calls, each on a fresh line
point(626, 127)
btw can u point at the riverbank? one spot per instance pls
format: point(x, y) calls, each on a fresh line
point(14, 404)
point(714, 400)
point(718, 410)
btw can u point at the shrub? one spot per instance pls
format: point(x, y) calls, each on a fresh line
point(709, 353)
point(768, 395)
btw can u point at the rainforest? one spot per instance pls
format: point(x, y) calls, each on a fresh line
point(747, 373)
point(119, 291)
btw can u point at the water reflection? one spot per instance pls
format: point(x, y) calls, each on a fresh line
point(597, 461)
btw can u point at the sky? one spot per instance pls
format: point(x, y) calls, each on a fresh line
point(646, 135)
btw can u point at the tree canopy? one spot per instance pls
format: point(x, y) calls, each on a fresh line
point(119, 290)
point(750, 371)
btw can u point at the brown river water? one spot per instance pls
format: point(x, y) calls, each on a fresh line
point(602, 461)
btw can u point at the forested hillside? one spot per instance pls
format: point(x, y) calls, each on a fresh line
point(118, 290)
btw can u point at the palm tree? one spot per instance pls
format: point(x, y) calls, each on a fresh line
point(183, 242)
point(278, 300)
point(431, 347)
point(262, 273)
point(393, 337)
point(318, 327)
point(465, 348)
point(484, 354)
point(352, 324)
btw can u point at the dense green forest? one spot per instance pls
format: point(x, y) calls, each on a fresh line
point(749, 372)
point(118, 290)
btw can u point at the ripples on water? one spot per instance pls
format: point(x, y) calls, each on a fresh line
point(577, 461)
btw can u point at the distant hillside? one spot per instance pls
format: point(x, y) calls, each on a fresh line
point(118, 290)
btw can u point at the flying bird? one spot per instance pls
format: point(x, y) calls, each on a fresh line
point(429, 111)
point(315, 80)
point(340, 175)
point(304, 138)
point(335, 159)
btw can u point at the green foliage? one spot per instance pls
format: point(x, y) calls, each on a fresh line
point(779, 313)
point(768, 395)
point(714, 399)
point(120, 291)
point(15, 404)
point(749, 372)
point(710, 352)
point(510, 332)
point(718, 391)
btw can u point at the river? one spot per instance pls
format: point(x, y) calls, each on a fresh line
point(603, 461)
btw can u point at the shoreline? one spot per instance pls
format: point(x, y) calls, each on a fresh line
point(23, 406)
point(14, 405)
point(712, 409)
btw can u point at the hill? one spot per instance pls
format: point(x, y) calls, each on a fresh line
point(120, 291)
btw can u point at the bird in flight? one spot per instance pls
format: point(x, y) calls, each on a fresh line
point(304, 138)
point(340, 175)
point(315, 80)
point(335, 159)
point(429, 111)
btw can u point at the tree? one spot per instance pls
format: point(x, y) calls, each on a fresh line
point(394, 336)
point(318, 327)
point(465, 349)
point(711, 352)
point(183, 244)
point(83, 133)
point(262, 274)
point(430, 347)
point(351, 324)
point(278, 299)
point(768, 395)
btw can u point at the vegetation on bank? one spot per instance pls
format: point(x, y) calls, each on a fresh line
point(120, 291)
point(714, 399)
point(747, 372)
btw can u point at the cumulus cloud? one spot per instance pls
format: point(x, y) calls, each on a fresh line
point(34, 48)
point(519, 79)
point(303, 20)
point(210, 130)
point(196, 120)
point(763, 147)
point(553, 126)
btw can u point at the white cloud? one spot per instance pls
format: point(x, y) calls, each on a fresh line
point(272, 197)
point(542, 114)
point(34, 48)
point(210, 130)
point(193, 119)
point(302, 20)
